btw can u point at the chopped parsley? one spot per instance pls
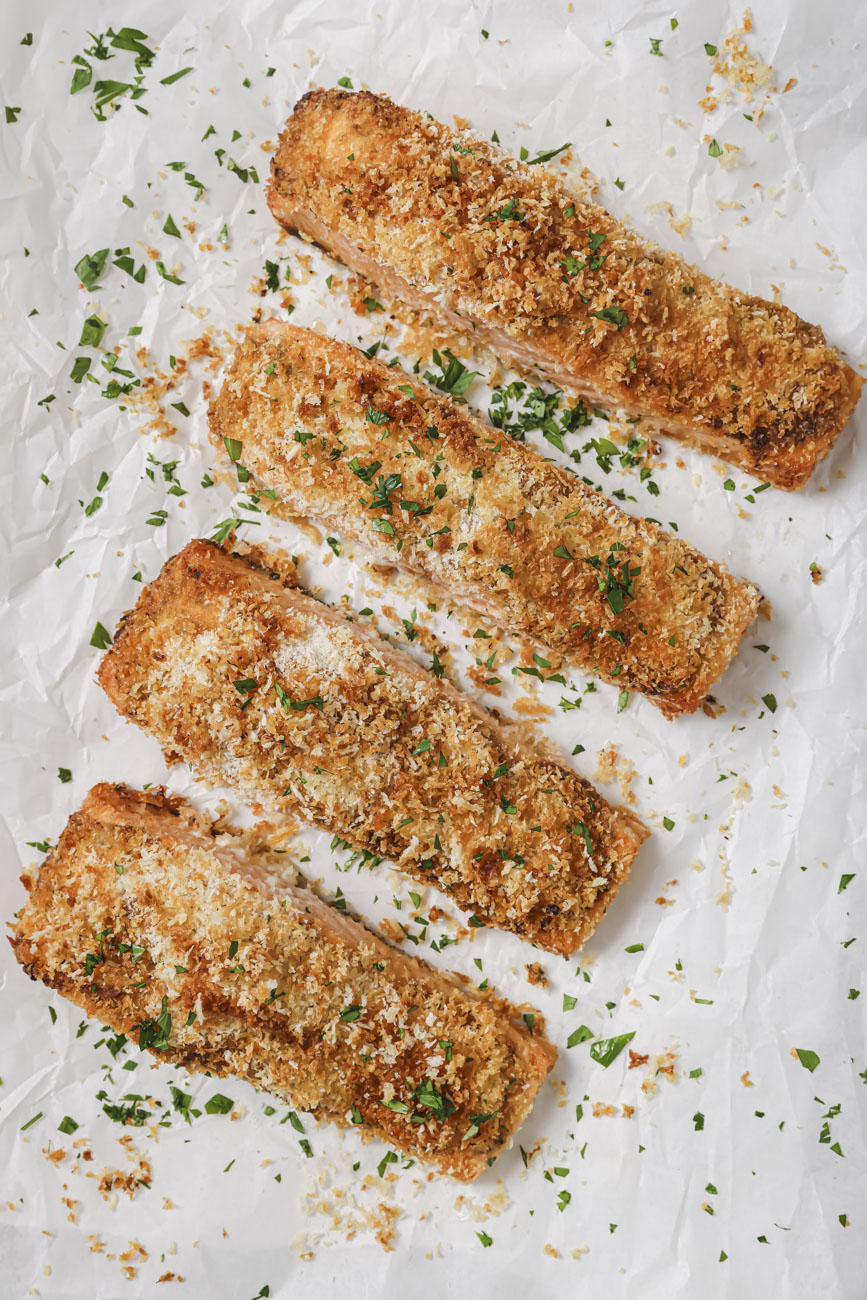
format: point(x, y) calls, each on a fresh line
point(614, 314)
point(455, 378)
point(508, 212)
point(155, 1033)
point(548, 154)
point(606, 1050)
point(218, 1105)
point(100, 637)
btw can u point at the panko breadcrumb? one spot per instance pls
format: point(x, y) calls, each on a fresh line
point(261, 687)
point(172, 934)
point(450, 223)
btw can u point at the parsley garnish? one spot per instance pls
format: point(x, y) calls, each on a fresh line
point(90, 268)
point(508, 212)
point(440, 1105)
point(297, 705)
point(476, 1122)
point(606, 1050)
point(385, 485)
point(155, 1033)
point(548, 154)
point(455, 378)
point(100, 637)
point(614, 580)
point(218, 1105)
point(616, 315)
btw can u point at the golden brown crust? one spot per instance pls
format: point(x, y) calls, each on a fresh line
point(481, 515)
point(254, 986)
point(263, 688)
point(451, 223)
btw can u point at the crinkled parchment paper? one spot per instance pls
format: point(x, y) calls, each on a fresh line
point(714, 1161)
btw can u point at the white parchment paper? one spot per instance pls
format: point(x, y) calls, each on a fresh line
point(721, 1167)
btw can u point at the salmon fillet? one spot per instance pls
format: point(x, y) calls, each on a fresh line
point(170, 933)
point(457, 228)
point(427, 486)
point(289, 701)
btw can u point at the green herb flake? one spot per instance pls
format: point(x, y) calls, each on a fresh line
point(455, 378)
point(218, 1105)
point(174, 76)
point(172, 279)
point(548, 154)
point(91, 332)
point(100, 637)
point(614, 314)
point(90, 268)
point(155, 1033)
point(606, 1050)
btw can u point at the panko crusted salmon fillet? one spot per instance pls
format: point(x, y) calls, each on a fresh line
point(263, 688)
point(456, 227)
point(426, 485)
point(174, 935)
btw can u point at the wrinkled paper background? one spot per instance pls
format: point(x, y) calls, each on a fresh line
point(768, 808)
